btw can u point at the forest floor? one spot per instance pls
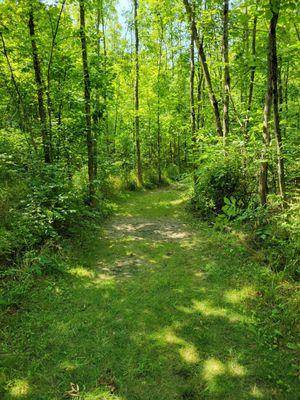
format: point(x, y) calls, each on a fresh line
point(154, 307)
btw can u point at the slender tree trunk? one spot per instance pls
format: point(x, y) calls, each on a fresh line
point(297, 31)
point(252, 77)
point(48, 89)
point(97, 112)
point(200, 96)
point(286, 92)
point(47, 146)
point(200, 88)
point(137, 99)
point(226, 72)
point(105, 113)
point(192, 94)
point(159, 171)
point(205, 69)
point(277, 130)
point(159, 174)
point(90, 139)
point(263, 181)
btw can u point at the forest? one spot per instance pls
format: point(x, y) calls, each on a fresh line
point(149, 199)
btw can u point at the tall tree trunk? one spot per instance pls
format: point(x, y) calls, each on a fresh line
point(226, 72)
point(159, 169)
point(277, 131)
point(263, 179)
point(286, 93)
point(48, 89)
point(192, 94)
point(200, 90)
point(205, 69)
point(105, 112)
point(136, 98)
point(252, 77)
point(90, 139)
point(47, 146)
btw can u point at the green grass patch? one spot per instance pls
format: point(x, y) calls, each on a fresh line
point(194, 316)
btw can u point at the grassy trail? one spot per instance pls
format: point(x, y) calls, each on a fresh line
point(153, 308)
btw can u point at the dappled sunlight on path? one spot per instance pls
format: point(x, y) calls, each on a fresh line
point(154, 309)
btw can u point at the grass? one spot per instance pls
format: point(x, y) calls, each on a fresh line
point(195, 318)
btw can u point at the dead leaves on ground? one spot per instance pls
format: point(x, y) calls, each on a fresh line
point(74, 391)
point(107, 380)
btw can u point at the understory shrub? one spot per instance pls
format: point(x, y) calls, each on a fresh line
point(19, 278)
point(225, 194)
point(39, 204)
point(220, 182)
point(277, 234)
point(172, 172)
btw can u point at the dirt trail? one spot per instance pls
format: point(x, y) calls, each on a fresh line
point(156, 307)
point(150, 229)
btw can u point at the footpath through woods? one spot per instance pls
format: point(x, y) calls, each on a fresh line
point(152, 308)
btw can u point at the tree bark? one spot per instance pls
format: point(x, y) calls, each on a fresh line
point(269, 100)
point(205, 69)
point(226, 72)
point(105, 110)
point(159, 169)
point(252, 77)
point(47, 146)
point(90, 139)
point(277, 130)
point(200, 90)
point(192, 92)
point(136, 98)
point(48, 91)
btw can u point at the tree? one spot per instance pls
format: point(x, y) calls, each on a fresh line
point(90, 138)
point(252, 77)
point(226, 71)
point(192, 90)
point(136, 98)
point(206, 73)
point(47, 145)
point(275, 6)
point(271, 99)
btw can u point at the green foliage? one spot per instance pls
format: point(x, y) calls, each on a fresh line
point(173, 172)
point(43, 264)
point(278, 235)
point(222, 184)
point(40, 204)
point(227, 326)
point(231, 210)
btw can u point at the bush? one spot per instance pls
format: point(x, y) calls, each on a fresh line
point(277, 233)
point(47, 204)
point(172, 172)
point(130, 181)
point(217, 181)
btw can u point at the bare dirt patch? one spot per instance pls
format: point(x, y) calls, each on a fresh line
point(141, 229)
point(124, 267)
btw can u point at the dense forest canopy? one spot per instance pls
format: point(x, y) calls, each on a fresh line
point(42, 90)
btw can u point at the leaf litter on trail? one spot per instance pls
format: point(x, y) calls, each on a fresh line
point(74, 391)
point(108, 380)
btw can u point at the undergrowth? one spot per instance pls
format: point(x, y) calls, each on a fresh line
point(225, 195)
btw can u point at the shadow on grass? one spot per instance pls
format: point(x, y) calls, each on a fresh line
point(176, 328)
